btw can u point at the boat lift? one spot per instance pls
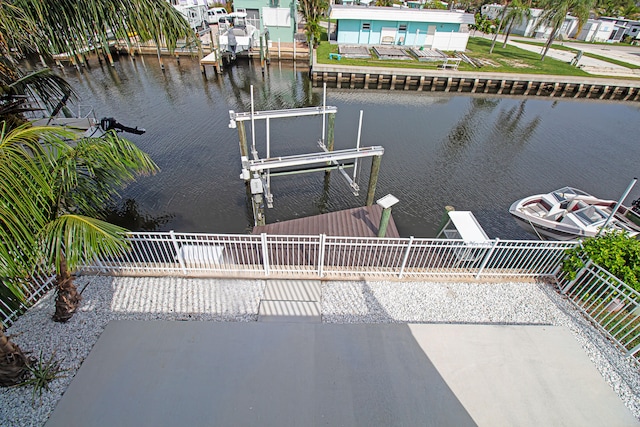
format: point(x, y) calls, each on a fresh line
point(257, 171)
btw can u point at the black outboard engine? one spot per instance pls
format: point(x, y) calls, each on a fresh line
point(109, 123)
point(635, 206)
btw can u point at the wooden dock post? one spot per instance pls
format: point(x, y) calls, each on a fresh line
point(386, 203)
point(373, 179)
point(330, 138)
point(244, 149)
point(445, 218)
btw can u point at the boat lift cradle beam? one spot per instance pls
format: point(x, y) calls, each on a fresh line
point(330, 157)
point(312, 158)
point(277, 114)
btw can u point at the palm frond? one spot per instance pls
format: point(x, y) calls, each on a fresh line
point(71, 26)
point(89, 173)
point(26, 191)
point(79, 240)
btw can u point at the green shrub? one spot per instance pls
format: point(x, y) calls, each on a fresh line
point(614, 251)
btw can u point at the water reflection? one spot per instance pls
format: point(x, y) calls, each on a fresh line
point(126, 213)
point(475, 153)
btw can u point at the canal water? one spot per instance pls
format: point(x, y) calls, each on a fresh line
point(475, 153)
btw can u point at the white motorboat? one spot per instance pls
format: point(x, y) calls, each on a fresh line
point(236, 35)
point(569, 213)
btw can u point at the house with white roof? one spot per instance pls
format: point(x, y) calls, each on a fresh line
point(436, 29)
point(595, 30)
point(534, 26)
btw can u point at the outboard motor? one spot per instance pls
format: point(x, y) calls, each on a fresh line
point(635, 206)
point(109, 123)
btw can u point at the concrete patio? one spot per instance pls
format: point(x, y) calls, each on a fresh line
point(163, 373)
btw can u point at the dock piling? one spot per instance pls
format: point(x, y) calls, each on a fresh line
point(373, 179)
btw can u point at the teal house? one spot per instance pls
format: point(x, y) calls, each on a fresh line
point(278, 16)
point(435, 29)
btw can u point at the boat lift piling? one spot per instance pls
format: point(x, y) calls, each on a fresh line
point(256, 171)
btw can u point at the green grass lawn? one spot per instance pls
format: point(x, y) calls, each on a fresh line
point(590, 55)
point(507, 60)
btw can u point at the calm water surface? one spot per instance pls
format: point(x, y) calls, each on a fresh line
point(475, 153)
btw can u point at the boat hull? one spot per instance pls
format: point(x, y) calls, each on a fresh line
point(545, 233)
point(569, 214)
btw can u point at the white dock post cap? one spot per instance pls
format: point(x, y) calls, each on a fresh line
point(232, 119)
point(387, 201)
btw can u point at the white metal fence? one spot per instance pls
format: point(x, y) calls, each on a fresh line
point(611, 305)
point(10, 310)
point(331, 257)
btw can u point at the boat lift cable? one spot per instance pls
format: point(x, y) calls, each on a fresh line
point(534, 229)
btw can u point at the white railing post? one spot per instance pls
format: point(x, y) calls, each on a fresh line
point(265, 253)
point(486, 258)
point(321, 255)
point(103, 269)
point(178, 253)
point(633, 351)
point(406, 257)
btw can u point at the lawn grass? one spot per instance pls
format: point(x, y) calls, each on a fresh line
point(590, 55)
point(508, 60)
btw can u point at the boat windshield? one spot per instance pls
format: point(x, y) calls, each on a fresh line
point(590, 215)
point(567, 193)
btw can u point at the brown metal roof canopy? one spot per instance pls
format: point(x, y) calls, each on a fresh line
point(356, 222)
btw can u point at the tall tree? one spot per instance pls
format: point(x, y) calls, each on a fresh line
point(500, 24)
point(555, 12)
point(312, 12)
point(50, 188)
point(517, 14)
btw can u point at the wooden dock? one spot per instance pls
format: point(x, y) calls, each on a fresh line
point(356, 222)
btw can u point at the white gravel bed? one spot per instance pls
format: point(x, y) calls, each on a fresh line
point(107, 298)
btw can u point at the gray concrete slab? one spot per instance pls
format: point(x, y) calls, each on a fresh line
point(521, 376)
point(293, 374)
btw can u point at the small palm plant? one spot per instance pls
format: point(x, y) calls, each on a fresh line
point(54, 188)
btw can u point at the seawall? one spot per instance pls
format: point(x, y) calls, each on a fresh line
point(454, 81)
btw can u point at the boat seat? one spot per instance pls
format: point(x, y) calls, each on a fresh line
point(536, 209)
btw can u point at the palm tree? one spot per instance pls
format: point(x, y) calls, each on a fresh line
point(13, 362)
point(555, 12)
point(517, 14)
point(500, 22)
point(312, 12)
point(52, 190)
point(70, 26)
point(51, 185)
